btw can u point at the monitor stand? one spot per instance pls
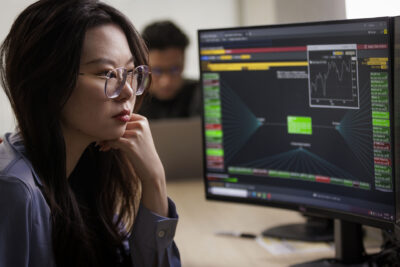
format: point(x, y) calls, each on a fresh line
point(315, 229)
point(349, 247)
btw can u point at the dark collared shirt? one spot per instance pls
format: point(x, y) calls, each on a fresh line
point(25, 221)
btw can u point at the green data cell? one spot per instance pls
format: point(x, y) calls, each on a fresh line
point(211, 114)
point(383, 179)
point(211, 95)
point(348, 183)
point(212, 101)
point(379, 92)
point(381, 130)
point(381, 122)
point(211, 88)
point(210, 76)
point(382, 75)
point(382, 170)
point(279, 174)
point(379, 98)
point(212, 108)
point(216, 152)
point(214, 140)
point(240, 170)
point(295, 175)
point(380, 107)
point(214, 133)
point(379, 88)
point(364, 185)
point(307, 177)
point(299, 125)
point(383, 184)
point(212, 120)
point(380, 115)
point(378, 82)
point(382, 154)
point(385, 139)
point(230, 180)
point(337, 181)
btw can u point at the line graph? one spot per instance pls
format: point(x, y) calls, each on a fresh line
point(321, 78)
point(333, 81)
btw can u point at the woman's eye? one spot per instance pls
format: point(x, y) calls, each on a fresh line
point(103, 73)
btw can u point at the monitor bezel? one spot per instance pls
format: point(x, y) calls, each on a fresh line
point(396, 112)
point(308, 209)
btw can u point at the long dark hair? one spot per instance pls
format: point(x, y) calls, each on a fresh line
point(40, 60)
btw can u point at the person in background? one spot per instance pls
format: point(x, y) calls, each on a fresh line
point(81, 183)
point(171, 95)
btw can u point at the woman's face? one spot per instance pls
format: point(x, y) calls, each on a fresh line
point(88, 113)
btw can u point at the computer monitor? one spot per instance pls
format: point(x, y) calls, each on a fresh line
point(301, 116)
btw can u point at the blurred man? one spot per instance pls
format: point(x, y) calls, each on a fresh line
point(171, 95)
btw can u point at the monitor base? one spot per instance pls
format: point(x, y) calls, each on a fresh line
point(349, 248)
point(331, 263)
point(313, 230)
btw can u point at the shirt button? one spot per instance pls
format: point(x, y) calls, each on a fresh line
point(161, 234)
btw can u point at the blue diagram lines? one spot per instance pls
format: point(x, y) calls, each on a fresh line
point(356, 131)
point(299, 160)
point(239, 122)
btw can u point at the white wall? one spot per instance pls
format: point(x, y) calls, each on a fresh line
point(260, 12)
point(370, 8)
point(7, 15)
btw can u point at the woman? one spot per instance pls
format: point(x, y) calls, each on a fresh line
point(80, 182)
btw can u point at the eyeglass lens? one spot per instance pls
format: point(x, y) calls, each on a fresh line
point(173, 71)
point(138, 79)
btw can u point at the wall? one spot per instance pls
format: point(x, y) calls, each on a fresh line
point(7, 15)
point(370, 8)
point(260, 12)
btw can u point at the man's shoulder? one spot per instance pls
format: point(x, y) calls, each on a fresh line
point(191, 83)
point(189, 89)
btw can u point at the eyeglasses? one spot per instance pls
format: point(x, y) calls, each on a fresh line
point(138, 79)
point(172, 71)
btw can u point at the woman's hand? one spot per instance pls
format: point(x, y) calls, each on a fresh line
point(137, 143)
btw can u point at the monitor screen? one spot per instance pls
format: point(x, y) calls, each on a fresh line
point(300, 116)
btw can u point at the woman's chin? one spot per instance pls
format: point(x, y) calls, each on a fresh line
point(114, 134)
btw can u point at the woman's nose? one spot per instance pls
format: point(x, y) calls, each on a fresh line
point(126, 93)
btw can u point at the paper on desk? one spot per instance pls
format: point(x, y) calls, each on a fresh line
point(277, 246)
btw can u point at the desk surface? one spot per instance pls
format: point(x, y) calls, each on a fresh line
point(200, 219)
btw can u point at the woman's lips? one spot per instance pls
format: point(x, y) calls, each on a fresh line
point(123, 116)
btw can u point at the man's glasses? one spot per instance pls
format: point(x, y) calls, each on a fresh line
point(172, 71)
point(138, 79)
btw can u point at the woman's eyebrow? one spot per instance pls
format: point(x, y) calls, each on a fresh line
point(106, 61)
point(100, 61)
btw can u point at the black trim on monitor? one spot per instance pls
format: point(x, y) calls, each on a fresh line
point(396, 92)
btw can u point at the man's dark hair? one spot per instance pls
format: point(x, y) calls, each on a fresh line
point(164, 34)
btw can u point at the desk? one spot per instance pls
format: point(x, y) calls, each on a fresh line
point(201, 218)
